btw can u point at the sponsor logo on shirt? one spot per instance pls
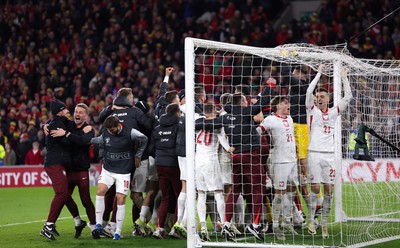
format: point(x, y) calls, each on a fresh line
point(119, 156)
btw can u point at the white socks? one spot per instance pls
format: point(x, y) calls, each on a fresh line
point(143, 212)
point(313, 206)
point(120, 218)
point(326, 208)
point(99, 209)
point(201, 206)
point(181, 206)
point(277, 206)
point(77, 220)
point(239, 210)
point(219, 198)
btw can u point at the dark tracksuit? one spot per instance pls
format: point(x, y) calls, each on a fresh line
point(57, 159)
point(130, 117)
point(166, 160)
point(121, 148)
point(78, 173)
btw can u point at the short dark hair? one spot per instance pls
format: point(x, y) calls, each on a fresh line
point(209, 108)
point(111, 121)
point(170, 96)
point(237, 98)
point(172, 109)
point(124, 92)
point(276, 100)
point(243, 88)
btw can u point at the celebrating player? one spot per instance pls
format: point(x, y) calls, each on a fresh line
point(208, 170)
point(321, 163)
point(283, 169)
point(120, 143)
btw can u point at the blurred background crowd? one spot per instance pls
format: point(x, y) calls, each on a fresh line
point(84, 51)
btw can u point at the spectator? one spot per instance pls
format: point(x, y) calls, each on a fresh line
point(34, 155)
point(11, 157)
point(23, 147)
point(3, 138)
point(2, 154)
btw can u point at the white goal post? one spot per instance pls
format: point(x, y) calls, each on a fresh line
point(366, 197)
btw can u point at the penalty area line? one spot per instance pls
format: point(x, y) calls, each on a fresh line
point(35, 221)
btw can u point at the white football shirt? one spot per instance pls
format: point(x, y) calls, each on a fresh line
point(322, 128)
point(281, 131)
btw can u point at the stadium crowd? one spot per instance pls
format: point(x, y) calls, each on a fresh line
point(85, 51)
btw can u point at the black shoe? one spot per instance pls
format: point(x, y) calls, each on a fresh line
point(96, 234)
point(78, 229)
point(229, 235)
point(47, 234)
point(51, 228)
point(256, 232)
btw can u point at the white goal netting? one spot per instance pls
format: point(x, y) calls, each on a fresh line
point(366, 208)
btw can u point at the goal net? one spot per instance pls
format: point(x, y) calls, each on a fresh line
point(366, 202)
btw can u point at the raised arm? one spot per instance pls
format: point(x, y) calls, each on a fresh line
point(309, 95)
point(164, 84)
point(262, 101)
point(347, 91)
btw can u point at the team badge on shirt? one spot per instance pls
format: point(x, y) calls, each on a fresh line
point(325, 117)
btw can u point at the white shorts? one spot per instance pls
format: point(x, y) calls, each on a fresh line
point(208, 175)
point(226, 167)
point(284, 174)
point(321, 167)
point(138, 183)
point(182, 167)
point(122, 181)
point(152, 175)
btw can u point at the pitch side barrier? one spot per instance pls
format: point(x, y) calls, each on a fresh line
point(34, 176)
point(381, 170)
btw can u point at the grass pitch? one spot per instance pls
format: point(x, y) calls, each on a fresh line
point(24, 210)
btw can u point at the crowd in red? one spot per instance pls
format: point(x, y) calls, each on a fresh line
point(84, 51)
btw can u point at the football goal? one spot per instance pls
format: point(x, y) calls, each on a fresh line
point(366, 202)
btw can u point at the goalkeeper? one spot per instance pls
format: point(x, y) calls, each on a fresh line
point(321, 162)
point(298, 83)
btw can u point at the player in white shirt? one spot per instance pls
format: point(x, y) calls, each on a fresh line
point(283, 168)
point(321, 122)
point(208, 170)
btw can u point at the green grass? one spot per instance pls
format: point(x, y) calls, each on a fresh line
point(24, 210)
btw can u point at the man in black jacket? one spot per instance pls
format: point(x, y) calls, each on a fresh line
point(163, 98)
point(166, 160)
point(80, 133)
point(131, 117)
point(161, 102)
point(57, 159)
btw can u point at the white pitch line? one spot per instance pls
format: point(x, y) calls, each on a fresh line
point(35, 221)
